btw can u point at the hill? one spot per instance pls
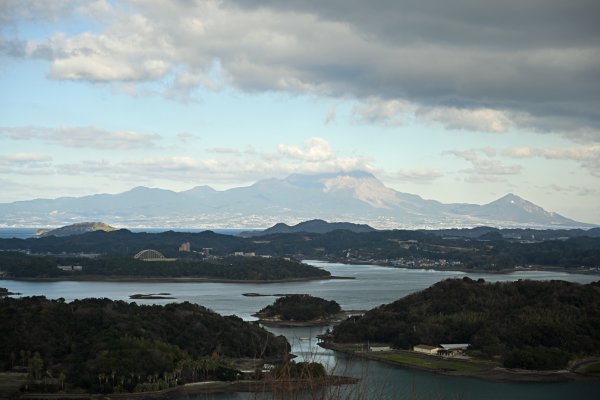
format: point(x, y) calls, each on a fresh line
point(76, 229)
point(312, 226)
point(528, 324)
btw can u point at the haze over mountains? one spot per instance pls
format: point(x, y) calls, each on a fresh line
point(357, 197)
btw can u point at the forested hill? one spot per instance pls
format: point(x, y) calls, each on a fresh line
point(480, 248)
point(19, 265)
point(529, 324)
point(104, 346)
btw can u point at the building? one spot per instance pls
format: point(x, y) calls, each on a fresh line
point(186, 247)
point(70, 268)
point(426, 349)
point(452, 349)
point(380, 348)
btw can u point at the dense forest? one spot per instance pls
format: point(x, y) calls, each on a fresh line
point(107, 346)
point(300, 307)
point(528, 324)
point(478, 248)
point(20, 265)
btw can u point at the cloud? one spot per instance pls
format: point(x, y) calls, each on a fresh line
point(38, 10)
point(314, 149)
point(331, 115)
point(387, 112)
point(588, 157)
point(468, 65)
point(26, 164)
point(484, 169)
point(424, 175)
point(227, 165)
point(520, 152)
point(83, 137)
point(481, 119)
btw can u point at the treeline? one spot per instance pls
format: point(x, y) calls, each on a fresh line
point(479, 248)
point(300, 307)
point(528, 324)
point(20, 265)
point(100, 345)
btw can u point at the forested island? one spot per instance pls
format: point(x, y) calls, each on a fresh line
point(531, 325)
point(476, 249)
point(299, 309)
point(16, 265)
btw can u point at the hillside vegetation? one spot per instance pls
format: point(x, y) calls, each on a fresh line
point(19, 265)
point(476, 249)
point(528, 324)
point(108, 346)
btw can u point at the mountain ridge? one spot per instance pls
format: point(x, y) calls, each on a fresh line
point(355, 196)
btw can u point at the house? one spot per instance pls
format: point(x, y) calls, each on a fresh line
point(452, 349)
point(380, 348)
point(426, 349)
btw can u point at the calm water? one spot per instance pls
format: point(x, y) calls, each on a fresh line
point(371, 287)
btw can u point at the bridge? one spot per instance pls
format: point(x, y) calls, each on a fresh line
point(151, 255)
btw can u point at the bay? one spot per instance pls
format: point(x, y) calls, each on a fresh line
point(372, 286)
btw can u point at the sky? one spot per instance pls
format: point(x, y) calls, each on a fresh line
point(460, 101)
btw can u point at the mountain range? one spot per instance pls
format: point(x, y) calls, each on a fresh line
point(357, 197)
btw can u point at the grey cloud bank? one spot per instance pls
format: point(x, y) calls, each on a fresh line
point(476, 65)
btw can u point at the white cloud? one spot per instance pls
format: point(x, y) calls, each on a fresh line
point(418, 175)
point(83, 137)
point(588, 157)
point(227, 165)
point(485, 169)
point(26, 164)
point(387, 112)
point(314, 149)
point(520, 152)
point(481, 119)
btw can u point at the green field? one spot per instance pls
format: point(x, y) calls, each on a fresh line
point(430, 364)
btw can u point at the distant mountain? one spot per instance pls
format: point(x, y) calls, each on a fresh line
point(76, 229)
point(357, 197)
point(313, 226)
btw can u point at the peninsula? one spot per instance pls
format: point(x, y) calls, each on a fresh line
point(524, 330)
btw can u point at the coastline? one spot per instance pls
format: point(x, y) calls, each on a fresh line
point(112, 278)
point(333, 320)
point(190, 389)
point(466, 368)
point(465, 270)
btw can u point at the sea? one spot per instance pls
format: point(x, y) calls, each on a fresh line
point(371, 287)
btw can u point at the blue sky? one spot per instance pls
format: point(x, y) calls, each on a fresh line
point(460, 103)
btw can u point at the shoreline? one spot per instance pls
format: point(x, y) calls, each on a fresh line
point(539, 268)
point(331, 321)
point(112, 278)
point(478, 368)
point(190, 389)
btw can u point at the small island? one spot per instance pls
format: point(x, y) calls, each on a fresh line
point(300, 310)
point(151, 296)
